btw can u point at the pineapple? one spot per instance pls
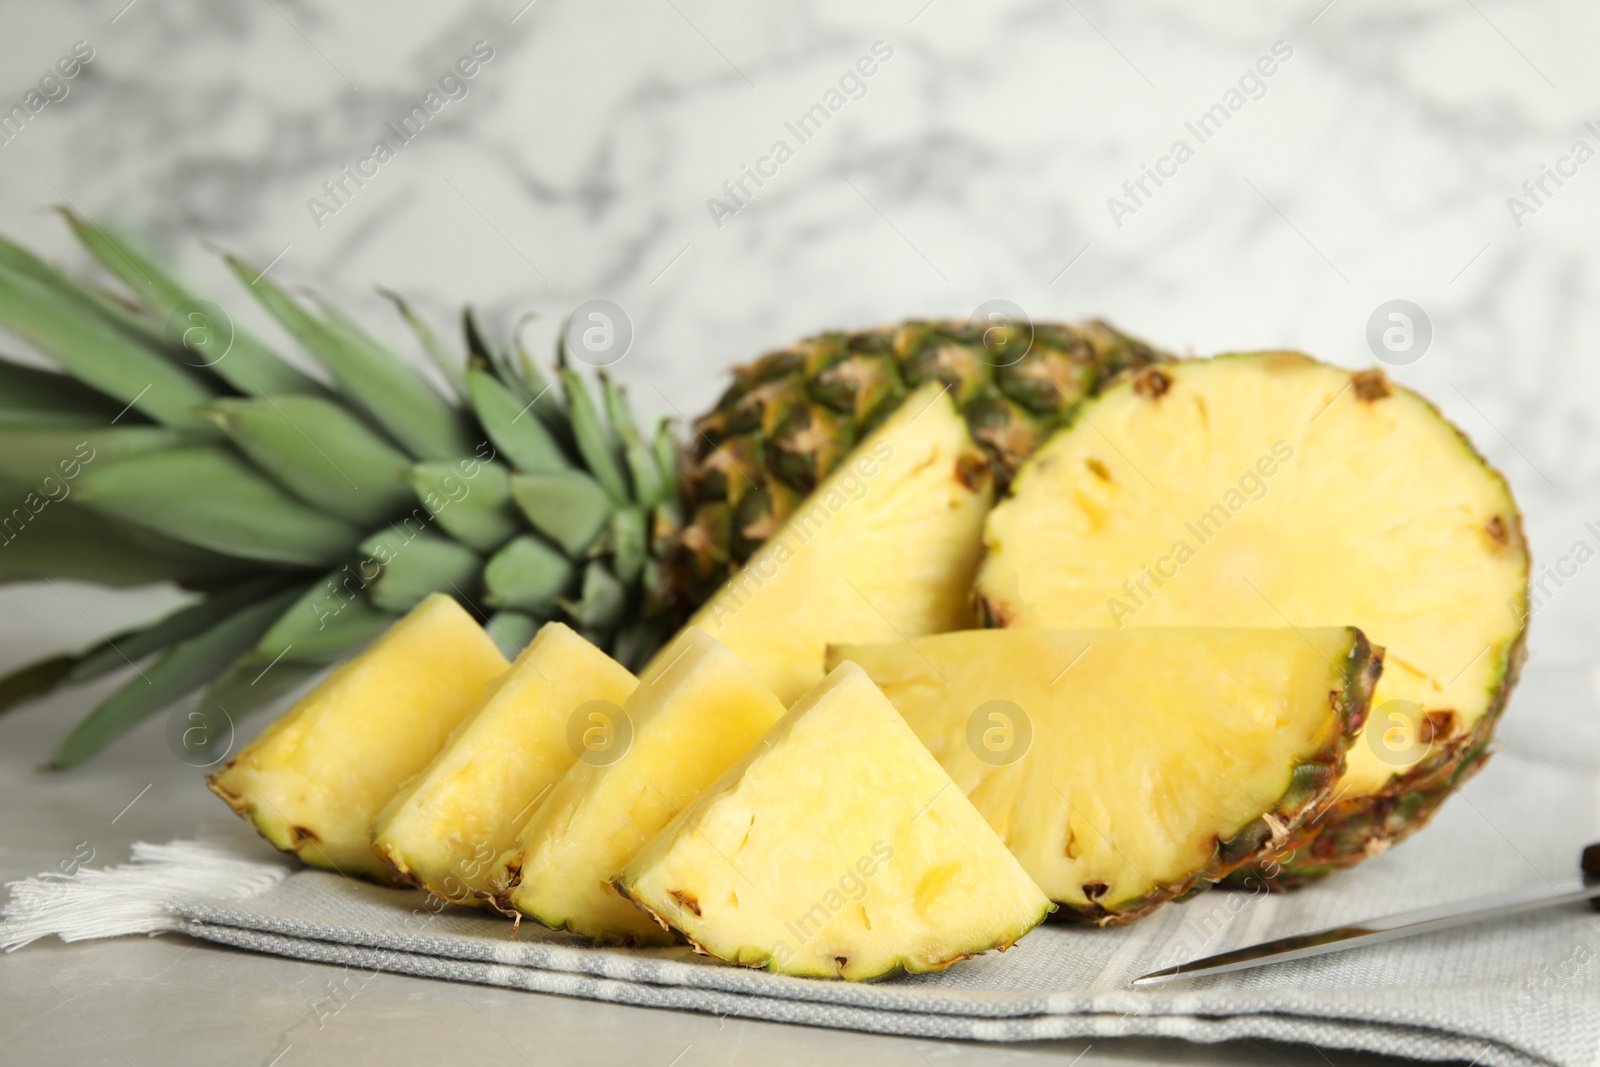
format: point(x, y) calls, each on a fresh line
point(1124, 768)
point(836, 848)
point(448, 827)
point(314, 780)
point(671, 739)
point(352, 494)
point(886, 547)
point(1265, 489)
point(792, 415)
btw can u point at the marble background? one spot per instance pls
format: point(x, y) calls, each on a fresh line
point(977, 163)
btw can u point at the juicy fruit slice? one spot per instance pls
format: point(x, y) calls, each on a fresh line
point(1266, 488)
point(836, 848)
point(1127, 767)
point(315, 779)
point(446, 830)
point(671, 739)
point(886, 547)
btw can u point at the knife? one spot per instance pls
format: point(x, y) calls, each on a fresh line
point(1390, 928)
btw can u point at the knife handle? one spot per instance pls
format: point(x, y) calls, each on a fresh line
point(1590, 862)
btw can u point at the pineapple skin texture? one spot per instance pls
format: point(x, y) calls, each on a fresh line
point(887, 546)
point(1460, 593)
point(837, 848)
point(446, 830)
point(315, 779)
point(790, 417)
point(697, 717)
point(1169, 713)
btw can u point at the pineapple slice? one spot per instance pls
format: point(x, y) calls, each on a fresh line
point(1127, 767)
point(836, 848)
point(677, 733)
point(315, 779)
point(1267, 489)
point(886, 547)
point(446, 830)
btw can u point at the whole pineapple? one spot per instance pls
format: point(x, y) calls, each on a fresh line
point(309, 515)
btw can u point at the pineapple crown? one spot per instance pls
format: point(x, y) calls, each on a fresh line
point(306, 513)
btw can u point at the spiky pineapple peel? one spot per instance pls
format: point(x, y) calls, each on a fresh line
point(266, 491)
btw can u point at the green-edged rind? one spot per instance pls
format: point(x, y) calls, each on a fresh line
point(1311, 785)
point(1360, 828)
point(301, 843)
point(762, 960)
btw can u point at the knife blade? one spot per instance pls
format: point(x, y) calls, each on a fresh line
point(1389, 928)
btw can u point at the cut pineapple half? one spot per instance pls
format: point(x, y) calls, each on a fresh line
point(315, 779)
point(886, 547)
point(671, 739)
point(447, 829)
point(1127, 767)
point(836, 848)
point(1265, 489)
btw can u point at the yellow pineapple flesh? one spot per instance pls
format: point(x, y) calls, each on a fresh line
point(886, 547)
point(1125, 768)
point(1268, 489)
point(671, 739)
point(315, 779)
point(837, 848)
point(446, 830)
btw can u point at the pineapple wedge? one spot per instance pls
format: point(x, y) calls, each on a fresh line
point(1124, 768)
point(836, 848)
point(677, 733)
point(446, 830)
point(314, 780)
point(886, 547)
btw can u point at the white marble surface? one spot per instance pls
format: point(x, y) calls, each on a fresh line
point(976, 164)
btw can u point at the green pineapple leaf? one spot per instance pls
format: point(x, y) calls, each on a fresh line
point(472, 505)
point(413, 565)
point(449, 364)
point(182, 624)
point(397, 397)
point(30, 395)
point(181, 670)
point(98, 353)
point(511, 425)
point(208, 496)
point(527, 574)
point(247, 364)
point(569, 507)
point(320, 452)
point(330, 621)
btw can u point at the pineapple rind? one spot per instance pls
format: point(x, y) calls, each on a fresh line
point(790, 416)
point(1260, 839)
point(1359, 828)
